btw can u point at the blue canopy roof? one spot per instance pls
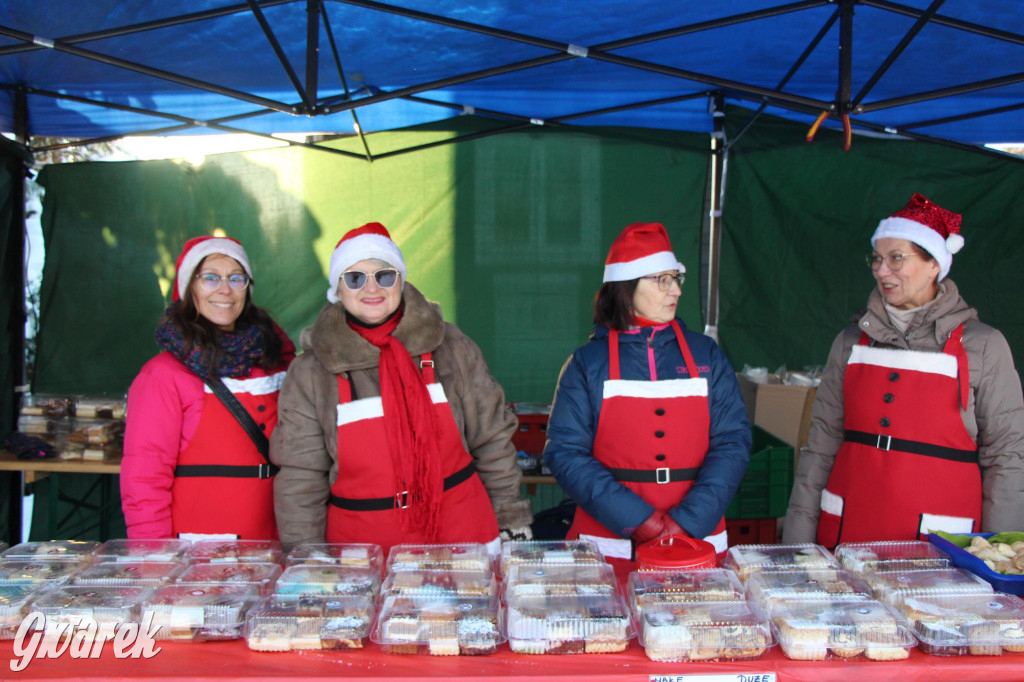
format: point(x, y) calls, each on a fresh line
point(943, 69)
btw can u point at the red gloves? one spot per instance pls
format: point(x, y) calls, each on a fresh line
point(658, 525)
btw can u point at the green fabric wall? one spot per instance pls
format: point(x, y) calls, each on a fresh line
point(509, 233)
point(798, 219)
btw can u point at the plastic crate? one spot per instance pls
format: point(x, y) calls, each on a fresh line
point(533, 427)
point(752, 531)
point(765, 488)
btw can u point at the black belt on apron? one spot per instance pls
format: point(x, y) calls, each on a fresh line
point(265, 470)
point(399, 500)
point(662, 475)
point(912, 446)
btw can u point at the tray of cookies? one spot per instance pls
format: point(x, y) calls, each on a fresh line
point(907, 555)
point(327, 579)
point(820, 629)
point(997, 558)
point(440, 583)
point(145, 573)
point(200, 613)
point(746, 560)
point(525, 580)
point(14, 600)
point(549, 553)
point(260, 575)
point(64, 550)
point(770, 587)
point(357, 555)
point(439, 625)
point(38, 571)
point(168, 549)
point(698, 585)
point(967, 624)
point(893, 587)
point(703, 631)
point(456, 557)
point(233, 551)
point(70, 605)
point(568, 624)
point(292, 623)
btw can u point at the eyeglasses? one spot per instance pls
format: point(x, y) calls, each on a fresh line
point(212, 282)
point(665, 281)
point(355, 280)
point(894, 260)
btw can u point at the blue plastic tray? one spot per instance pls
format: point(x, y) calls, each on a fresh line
point(1011, 584)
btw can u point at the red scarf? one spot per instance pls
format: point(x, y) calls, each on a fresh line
point(411, 426)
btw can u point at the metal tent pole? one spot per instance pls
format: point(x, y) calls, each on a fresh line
point(711, 237)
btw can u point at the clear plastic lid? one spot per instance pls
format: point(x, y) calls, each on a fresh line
point(328, 579)
point(100, 407)
point(819, 629)
point(890, 556)
point(200, 612)
point(96, 432)
point(703, 631)
point(524, 580)
point(440, 584)
point(549, 553)
point(69, 550)
point(71, 604)
point(440, 626)
point(343, 554)
point(38, 571)
point(47, 404)
point(458, 557)
point(143, 550)
point(144, 573)
point(748, 559)
point(674, 587)
point(769, 587)
point(895, 586)
point(14, 600)
point(967, 624)
point(288, 623)
point(262, 576)
point(568, 625)
point(228, 551)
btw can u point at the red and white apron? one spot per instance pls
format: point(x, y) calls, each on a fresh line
point(907, 464)
point(223, 486)
point(365, 507)
point(652, 436)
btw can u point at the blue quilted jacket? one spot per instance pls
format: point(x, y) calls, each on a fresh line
point(577, 407)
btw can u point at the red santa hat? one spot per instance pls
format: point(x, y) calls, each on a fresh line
point(198, 248)
point(369, 241)
point(641, 249)
point(933, 228)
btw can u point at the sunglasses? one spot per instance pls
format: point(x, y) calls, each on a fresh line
point(356, 280)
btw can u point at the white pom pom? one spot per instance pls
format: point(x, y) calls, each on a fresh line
point(954, 243)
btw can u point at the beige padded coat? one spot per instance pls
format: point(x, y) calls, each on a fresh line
point(304, 442)
point(994, 416)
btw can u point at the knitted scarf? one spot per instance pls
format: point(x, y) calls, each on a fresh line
point(410, 423)
point(240, 350)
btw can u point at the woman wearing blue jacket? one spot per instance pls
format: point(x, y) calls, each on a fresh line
point(648, 432)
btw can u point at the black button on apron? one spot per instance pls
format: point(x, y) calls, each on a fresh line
point(888, 397)
point(884, 421)
point(261, 407)
point(660, 412)
point(659, 434)
point(660, 458)
point(894, 376)
point(263, 427)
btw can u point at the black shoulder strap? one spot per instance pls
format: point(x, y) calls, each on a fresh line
point(242, 415)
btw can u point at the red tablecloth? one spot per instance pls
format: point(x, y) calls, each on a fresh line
point(219, 661)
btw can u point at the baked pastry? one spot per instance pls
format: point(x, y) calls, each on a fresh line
point(284, 623)
point(890, 556)
point(703, 631)
point(566, 624)
point(542, 580)
point(231, 551)
point(37, 572)
point(200, 612)
point(748, 559)
point(549, 553)
point(341, 554)
point(326, 579)
point(440, 626)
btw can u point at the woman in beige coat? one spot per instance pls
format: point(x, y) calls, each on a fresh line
point(918, 424)
point(391, 430)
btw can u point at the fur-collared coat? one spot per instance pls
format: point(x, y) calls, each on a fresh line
point(304, 443)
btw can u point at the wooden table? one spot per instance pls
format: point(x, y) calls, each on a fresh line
point(35, 470)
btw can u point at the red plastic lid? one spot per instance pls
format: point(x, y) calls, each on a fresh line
point(676, 551)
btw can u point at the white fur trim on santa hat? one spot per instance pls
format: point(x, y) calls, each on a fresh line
point(922, 235)
point(209, 247)
point(363, 247)
point(627, 270)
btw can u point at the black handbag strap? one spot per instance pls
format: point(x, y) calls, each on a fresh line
point(244, 418)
